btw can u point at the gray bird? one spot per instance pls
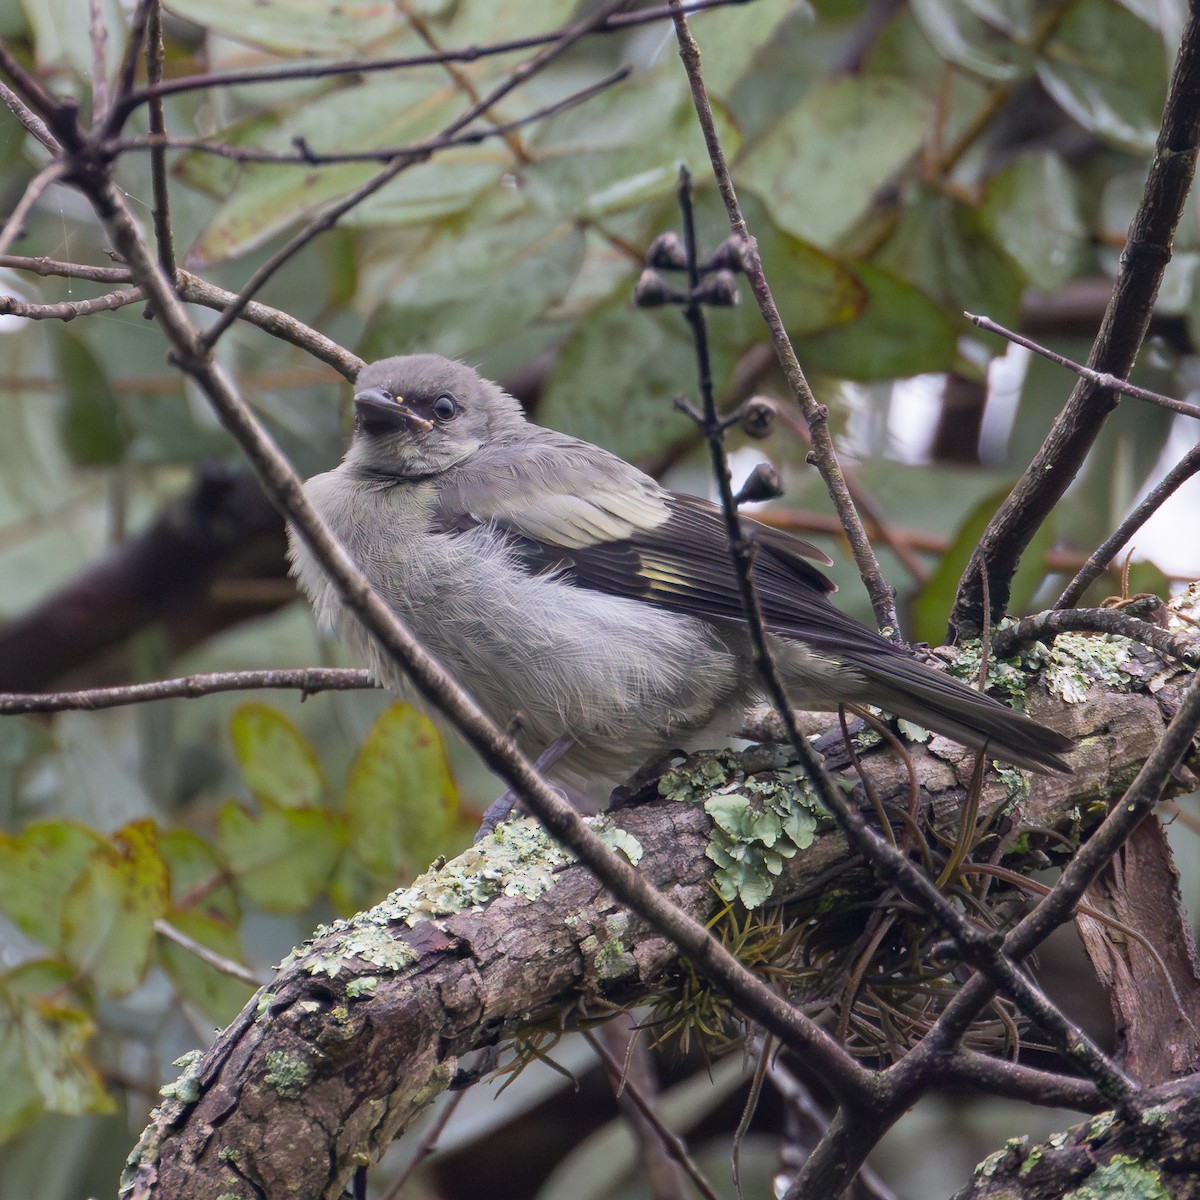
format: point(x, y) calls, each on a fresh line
point(566, 588)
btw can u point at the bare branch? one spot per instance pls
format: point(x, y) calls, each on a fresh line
point(1099, 378)
point(419, 151)
point(326, 70)
point(306, 680)
point(883, 598)
point(1147, 251)
point(217, 961)
point(194, 290)
point(163, 236)
point(14, 227)
point(33, 123)
point(68, 310)
point(1100, 561)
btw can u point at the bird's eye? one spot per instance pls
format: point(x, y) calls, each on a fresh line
point(445, 408)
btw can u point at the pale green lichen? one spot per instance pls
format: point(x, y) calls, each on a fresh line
point(1100, 1127)
point(1016, 785)
point(380, 947)
point(1156, 1117)
point(616, 838)
point(185, 1089)
point(1076, 661)
point(364, 985)
point(1122, 1178)
point(518, 859)
point(700, 776)
point(613, 961)
point(1035, 1156)
point(287, 1074)
point(758, 824)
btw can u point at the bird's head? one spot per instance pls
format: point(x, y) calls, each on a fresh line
point(422, 414)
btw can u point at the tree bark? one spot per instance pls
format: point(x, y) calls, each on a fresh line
point(367, 1023)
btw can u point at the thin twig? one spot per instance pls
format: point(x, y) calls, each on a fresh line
point(193, 290)
point(420, 151)
point(883, 599)
point(1102, 558)
point(429, 1141)
point(1146, 253)
point(330, 217)
point(164, 238)
point(98, 35)
point(1100, 378)
point(671, 1142)
point(29, 119)
point(68, 310)
point(218, 962)
point(305, 680)
point(325, 70)
point(44, 266)
point(14, 227)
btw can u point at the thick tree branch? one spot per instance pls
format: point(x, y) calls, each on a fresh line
point(367, 1024)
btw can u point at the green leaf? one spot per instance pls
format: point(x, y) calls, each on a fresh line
point(1032, 210)
point(217, 994)
point(44, 1036)
point(109, 913)
point(987, 39)
point(1108, 70)
point(380, 112)
point(400, 802)
point(37, 870)
point(281, 858)
point(945, 248)
point(900, 332)
point(818, 169)
point(445, 299)
point(622, 149)
point(279, 764)
point(197, 877)
point(93, 428)
point(294, 26)
point(615, 379)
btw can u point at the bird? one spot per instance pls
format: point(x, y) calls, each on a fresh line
point(570, 592)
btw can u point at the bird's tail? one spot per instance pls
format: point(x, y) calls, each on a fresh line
point(908, 688)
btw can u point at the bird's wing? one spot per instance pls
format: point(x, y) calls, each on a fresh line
point(600, 523)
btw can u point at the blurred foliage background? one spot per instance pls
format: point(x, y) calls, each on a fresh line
point(898, 162)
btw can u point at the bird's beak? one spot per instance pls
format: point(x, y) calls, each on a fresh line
point(380, 413)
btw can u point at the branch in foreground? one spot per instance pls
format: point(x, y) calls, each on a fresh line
point(1103, 1157)
point(883, 599)
point(1100, 561)
point(367, 1024)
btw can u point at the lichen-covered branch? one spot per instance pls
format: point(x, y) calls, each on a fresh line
point(363, 1027)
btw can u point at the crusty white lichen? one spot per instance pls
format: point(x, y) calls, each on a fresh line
point(518, 859)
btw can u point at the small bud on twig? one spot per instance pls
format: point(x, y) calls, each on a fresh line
point(757, 417)
point(763, 483)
